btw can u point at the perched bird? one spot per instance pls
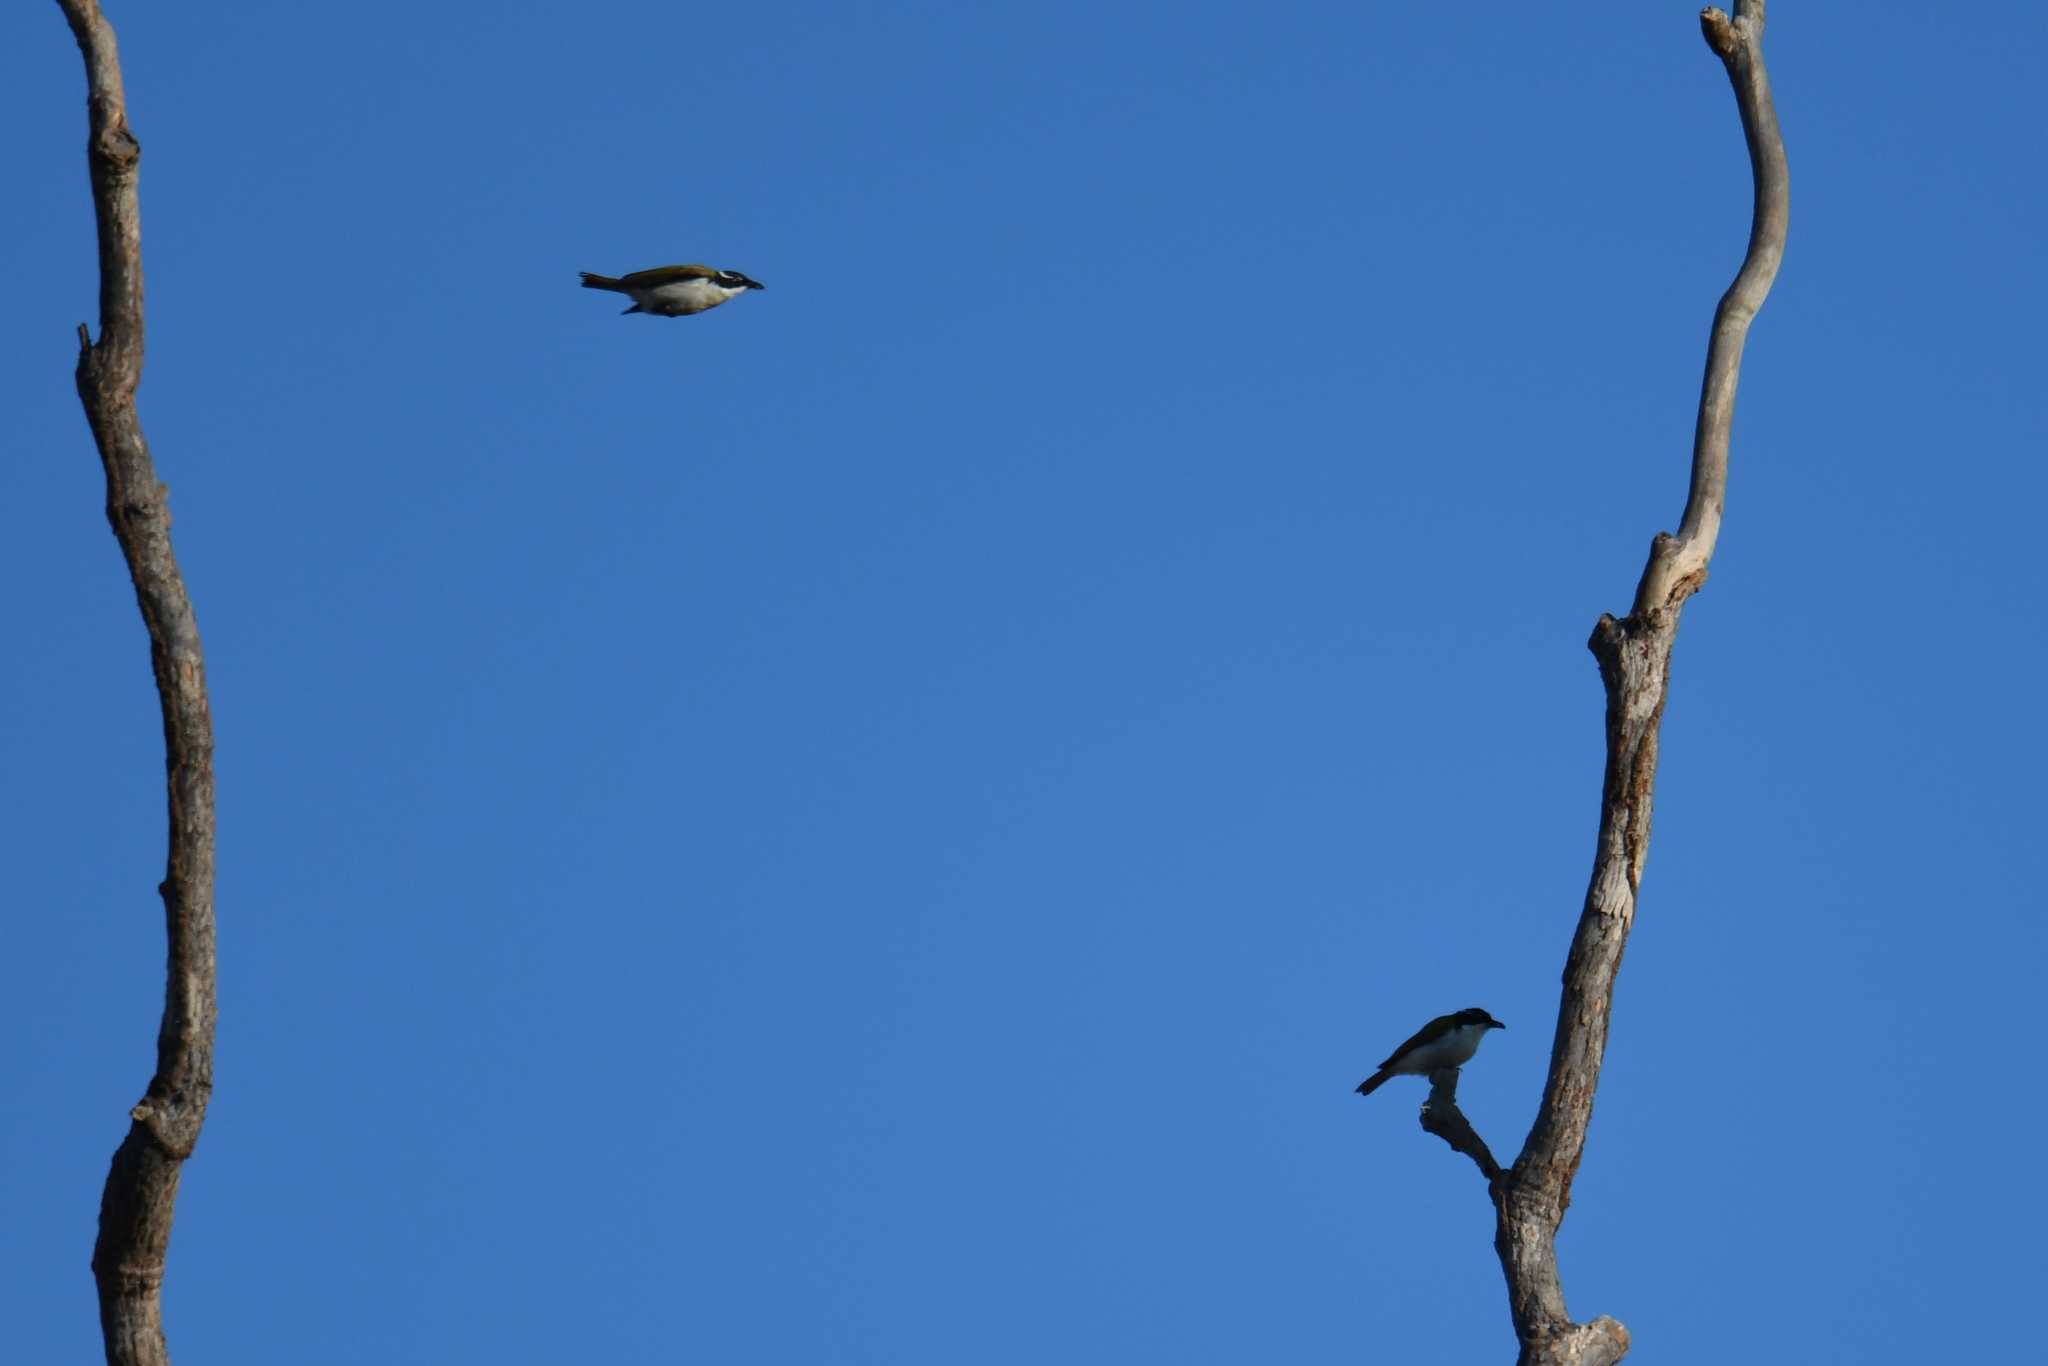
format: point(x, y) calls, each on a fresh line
point(675, 291)
point(1446, 1041)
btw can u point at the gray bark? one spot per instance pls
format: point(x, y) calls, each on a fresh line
point(1634, 653)
point(141, 1194)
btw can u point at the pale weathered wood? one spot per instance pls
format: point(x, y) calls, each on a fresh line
point(141, 1194)
point(1634, 655)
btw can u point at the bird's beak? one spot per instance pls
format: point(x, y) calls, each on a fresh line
point(1496, 1024)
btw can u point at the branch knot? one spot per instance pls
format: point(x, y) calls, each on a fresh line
point(1720, 31)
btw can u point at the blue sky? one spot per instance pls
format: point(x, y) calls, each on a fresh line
point(882, 824)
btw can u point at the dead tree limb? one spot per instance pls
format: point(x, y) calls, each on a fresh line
point(1634, 654)
point(1442, 1117)
point(141, 1194)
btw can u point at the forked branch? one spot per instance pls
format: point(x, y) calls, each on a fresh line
point(1634, 654)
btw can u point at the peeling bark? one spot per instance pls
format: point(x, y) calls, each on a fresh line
point(141, 1194)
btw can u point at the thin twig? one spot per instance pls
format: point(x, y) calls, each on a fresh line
point(1442, 1117)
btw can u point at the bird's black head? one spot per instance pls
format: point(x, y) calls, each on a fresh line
point(732, 279)
point(1473, 1015)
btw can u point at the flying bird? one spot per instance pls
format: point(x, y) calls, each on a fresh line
point(675, 291)
point(1446, 1041)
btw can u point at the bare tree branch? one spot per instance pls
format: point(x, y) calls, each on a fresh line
point(1442, 1117)
point(1634, 653)
point(141, 1194)
point(1675, 560)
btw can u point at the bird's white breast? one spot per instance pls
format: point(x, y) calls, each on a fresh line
point(684, 296)
point(1454, 1049)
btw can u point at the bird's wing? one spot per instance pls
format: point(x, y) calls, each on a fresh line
point(1419, 1038)
point(667, 275)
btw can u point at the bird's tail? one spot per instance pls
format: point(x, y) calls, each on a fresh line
point(1373, 1083)
point(601, 282)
